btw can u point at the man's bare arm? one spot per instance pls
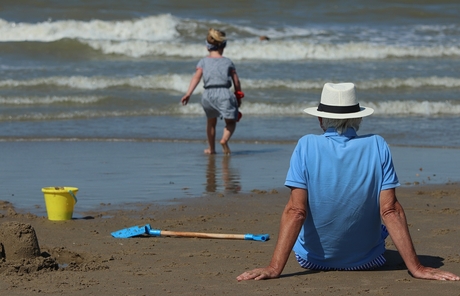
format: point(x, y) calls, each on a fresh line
point(394, 218)
point(292, 219)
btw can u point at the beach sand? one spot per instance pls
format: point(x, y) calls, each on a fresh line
point(92, 262)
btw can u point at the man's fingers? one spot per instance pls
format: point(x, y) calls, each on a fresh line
point(246, 276)
point(447, 276)
point(252, 275)
point(436, 274)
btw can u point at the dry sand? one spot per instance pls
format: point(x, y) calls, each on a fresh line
point(80, 257)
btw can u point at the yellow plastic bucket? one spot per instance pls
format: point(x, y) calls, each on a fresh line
point(59, 202)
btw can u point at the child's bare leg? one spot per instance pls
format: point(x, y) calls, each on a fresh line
point(230, 126)
point(211, 134)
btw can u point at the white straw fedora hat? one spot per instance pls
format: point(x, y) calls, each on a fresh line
point(338, 101)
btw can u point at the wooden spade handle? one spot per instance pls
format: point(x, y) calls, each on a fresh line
point(248, 236)
point(201, 235)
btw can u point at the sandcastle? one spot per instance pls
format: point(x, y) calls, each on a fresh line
point(18, 241)
point(19, 250)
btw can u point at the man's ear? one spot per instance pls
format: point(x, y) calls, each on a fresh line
point(320, 119)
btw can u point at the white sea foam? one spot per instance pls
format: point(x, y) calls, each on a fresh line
point(275, 50)
point(414, 82)
point(180, 83)
point(153, 28)
point(300, 50)
point(49, 100)
point(393, 108)
point(167, 82)
point(84, 114)
point(160, 35)
point(415, 108)
point(389, 108)
point(139, 48)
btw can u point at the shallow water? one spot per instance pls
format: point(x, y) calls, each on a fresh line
point(130, 172)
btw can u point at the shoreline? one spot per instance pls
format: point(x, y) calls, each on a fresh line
point(185, 140)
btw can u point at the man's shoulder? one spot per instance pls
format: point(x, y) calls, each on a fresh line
point(311, 137)
point(314, 136)
point(311, 140)
point(372, 137)
point(369, 138)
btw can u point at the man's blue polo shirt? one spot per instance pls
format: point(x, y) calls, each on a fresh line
point(343, 175)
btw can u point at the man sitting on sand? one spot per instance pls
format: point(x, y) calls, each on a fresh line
point(342, 188)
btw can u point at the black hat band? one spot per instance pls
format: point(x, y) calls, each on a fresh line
point(339, 109)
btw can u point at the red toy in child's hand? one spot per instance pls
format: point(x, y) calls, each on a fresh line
point(239, 95)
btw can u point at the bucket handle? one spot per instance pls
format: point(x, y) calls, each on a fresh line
point(73, 195)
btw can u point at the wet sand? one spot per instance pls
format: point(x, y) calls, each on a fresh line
point(92, 262)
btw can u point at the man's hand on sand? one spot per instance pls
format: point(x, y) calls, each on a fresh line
point(428, 273)
point(258, 274)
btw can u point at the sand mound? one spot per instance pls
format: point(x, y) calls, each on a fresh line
point(20, 253)
point(18, 241)
point(19, 250)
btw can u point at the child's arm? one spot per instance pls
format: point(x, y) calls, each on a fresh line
point(193, 83)
point(236, 81)
point(237, 85)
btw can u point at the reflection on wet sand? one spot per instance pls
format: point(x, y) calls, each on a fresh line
point(228, 174)
point(211, 184)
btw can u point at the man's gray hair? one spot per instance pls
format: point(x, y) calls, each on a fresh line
point(341, 125)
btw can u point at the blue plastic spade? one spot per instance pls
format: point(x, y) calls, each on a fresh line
point(147, 230)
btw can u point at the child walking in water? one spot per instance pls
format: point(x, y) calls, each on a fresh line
point(218, 72)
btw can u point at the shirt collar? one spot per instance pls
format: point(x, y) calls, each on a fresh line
point(349, 133)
